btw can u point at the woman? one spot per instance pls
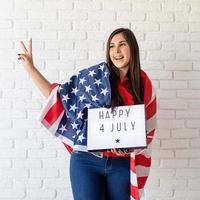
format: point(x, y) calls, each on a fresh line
point(106, 175)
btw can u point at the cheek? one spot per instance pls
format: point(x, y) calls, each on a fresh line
point(111, 55)
point(128, 55)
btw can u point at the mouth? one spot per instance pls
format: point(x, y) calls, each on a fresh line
point(118, 58)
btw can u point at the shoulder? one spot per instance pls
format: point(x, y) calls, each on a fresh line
point(144, 76)
point(146, 81)
point(143, 73)
point(101, 67)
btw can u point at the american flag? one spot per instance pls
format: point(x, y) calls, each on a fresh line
point(89, 88)
point(65, 116)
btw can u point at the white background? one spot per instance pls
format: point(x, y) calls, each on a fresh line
point(69, 34)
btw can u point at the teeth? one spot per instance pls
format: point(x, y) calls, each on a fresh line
point(118, 58)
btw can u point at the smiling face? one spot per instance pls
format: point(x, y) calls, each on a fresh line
point(119, 52)
point(123, 60)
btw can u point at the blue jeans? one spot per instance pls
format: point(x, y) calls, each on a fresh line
point(96, 178)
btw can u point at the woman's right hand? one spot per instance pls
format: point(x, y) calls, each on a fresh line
point(26, 56)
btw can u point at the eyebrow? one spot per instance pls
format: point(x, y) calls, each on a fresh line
point(119, 42)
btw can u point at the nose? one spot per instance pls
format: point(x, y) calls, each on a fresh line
point(117, 49)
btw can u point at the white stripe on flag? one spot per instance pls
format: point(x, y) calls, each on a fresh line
point(132, 198)
point(153, 96)
point(54, 127)
point(142, 171)
point(141, 192)
point(65, 140)
point(151, 123)
point(145, 152)
point(51, 100)
point(133, 178)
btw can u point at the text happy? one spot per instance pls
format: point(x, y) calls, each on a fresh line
point(114, 114)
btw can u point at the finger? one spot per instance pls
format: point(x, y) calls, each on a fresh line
point(125, 151)
point(115, 151)
point(30, 46)
point(112, 151)
point(23, 47)
point(119, 152)
point(22, 57)
point(122, 152)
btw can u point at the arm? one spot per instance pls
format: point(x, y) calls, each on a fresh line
point(40, 81)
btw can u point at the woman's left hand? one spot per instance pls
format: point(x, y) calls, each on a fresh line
point(119, 152)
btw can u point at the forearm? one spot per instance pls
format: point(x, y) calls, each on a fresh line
point(40, 81)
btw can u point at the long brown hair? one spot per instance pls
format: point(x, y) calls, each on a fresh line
point(133, 75)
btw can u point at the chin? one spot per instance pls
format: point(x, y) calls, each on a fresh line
point(120, 66)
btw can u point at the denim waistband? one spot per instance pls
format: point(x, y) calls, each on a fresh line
point(104, 154)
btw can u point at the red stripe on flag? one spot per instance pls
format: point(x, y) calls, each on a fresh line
point(69, 149)
point(54, 112)
point(132, 164)
point(148, 87)
point(151, 109)
point(140, 159)
point(135, 192)
point(141, 181)
point(53, 85)
point(150, 137)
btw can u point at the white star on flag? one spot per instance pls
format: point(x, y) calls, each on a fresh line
point(94, 97)
point(104, 91)
point(81, 138)
point(91, 73)
point(82, 80)
point(105, 74)
point(82, 98)
point(63, 128)
point(60, 88)
point(65, 97)
point(73, 107)
point(101, 67)
point(88, 88)
point(78, 131)
point(74, 125)
point(80, 115)
point(97, 81)
point(75, 90)
point(87, 105)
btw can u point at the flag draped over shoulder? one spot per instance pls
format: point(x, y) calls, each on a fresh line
point(140, 160)
point(65, 116)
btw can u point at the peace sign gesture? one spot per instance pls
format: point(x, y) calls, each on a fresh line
point(26, 56)
point(27, 59)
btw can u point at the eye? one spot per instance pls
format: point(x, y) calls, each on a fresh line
point(123, 44)
point(111, 46)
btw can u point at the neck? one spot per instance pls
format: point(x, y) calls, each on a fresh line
point(123, 73)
